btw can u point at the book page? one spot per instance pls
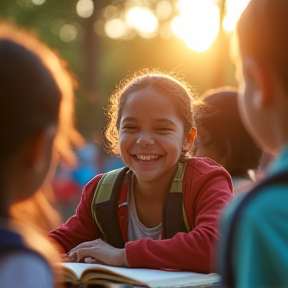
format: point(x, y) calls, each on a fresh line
point(138, 276)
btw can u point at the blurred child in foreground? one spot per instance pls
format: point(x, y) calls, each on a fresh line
point(222, 137)
point(41, 210)
point(30, 102)
point(253, 248)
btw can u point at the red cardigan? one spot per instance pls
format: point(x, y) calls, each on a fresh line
point(207, 188)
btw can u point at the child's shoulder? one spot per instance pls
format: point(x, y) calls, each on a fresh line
point(204, 165)
point(203, 172)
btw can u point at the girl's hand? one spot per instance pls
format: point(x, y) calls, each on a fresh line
point(66, 258)
point(98, 251)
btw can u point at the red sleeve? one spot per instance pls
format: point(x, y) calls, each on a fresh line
point(210, 190)
point(80, 227)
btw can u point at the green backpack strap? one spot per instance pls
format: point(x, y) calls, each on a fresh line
point(104, 206)
point(105, 202)
point(174, 215)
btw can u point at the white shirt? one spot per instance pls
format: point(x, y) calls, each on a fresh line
point(136, 230)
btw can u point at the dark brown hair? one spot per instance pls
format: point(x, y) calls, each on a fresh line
point(220, 118)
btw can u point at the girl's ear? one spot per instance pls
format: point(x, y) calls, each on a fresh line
point(190, 139)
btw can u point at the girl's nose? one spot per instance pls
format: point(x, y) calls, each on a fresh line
point(144, 141)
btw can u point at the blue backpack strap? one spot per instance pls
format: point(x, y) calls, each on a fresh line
point(227, 278)
point(104, 206)
point(174, 215)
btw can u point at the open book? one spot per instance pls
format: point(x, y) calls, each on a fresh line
point(83, 273)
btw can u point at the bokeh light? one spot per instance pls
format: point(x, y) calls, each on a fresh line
point(115, 28)
point(163, 9)
point(38, 2)
point(68, 33)
point(196, 22)
point(142, 20)
point(85, 8)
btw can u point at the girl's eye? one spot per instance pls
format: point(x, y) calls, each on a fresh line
point(163, 129)
point(129, 127)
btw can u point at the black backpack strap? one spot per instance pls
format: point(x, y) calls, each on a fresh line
point(227, 278)
point(174, 215)
point(106, 211)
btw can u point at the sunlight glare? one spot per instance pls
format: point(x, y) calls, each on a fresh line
point(85, 8)
point(234, 8)
point(197, 24)
point(142, 19)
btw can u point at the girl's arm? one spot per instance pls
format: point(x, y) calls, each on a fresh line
point(80, 227)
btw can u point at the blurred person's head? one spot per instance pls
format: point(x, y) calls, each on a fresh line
point(30, 101)
point(221, 135)
point(34, 87)
point(38, 209)
point(263, 45)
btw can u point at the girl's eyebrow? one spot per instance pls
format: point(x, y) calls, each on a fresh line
point(165, 121)
point(162, 121)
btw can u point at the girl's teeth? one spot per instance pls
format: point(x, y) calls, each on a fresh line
point(147, 158)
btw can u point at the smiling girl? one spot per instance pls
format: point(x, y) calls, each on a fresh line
point(151, 126)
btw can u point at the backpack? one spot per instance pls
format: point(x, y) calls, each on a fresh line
point(104, 206)
point(227, 272)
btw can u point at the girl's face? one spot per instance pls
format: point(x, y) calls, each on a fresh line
point(151, 135)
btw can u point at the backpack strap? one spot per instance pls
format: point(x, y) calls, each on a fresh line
point(105, 202)
point(227, 272)
point(174, 215)
point(104, 206)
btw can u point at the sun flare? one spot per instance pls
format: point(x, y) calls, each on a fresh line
point(197, 24)
point(234, 9)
